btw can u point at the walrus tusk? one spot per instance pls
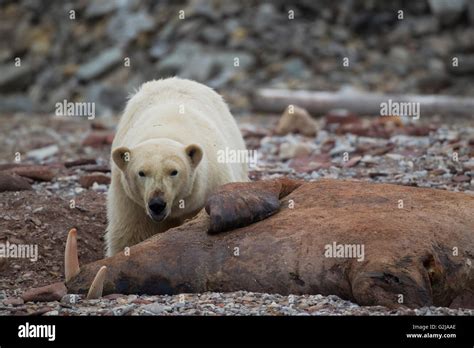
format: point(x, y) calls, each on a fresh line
point(71, 261)
point(97, 286)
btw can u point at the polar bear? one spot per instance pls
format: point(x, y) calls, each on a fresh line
point(165, 159)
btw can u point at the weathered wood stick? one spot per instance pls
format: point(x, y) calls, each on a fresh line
point(317, 103)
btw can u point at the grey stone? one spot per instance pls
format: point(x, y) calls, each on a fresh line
point(58, 94)
point(296, 68)
point(213, 35)
point(12, 182)
point(448, 11)
point(231, 8)
point(407, 141)
point(179, 305)
point(126, 26)
point(100, 64)
point(156, 308)
point(106, 97)
point(5, 53)
point(190, 27)
point(42, 153)
point(202, 8)
point(264, 17)
point(15, 103)
point(341, 147)
point(14, 78)
point(470, 8)
point(231, 25)
point(425, 25)
point(159, 49)
point(194, 61)
point(178, 59)
point(400, 54)
point(168, 30)
point(123, 310)
point(465, 65)
point(99, 8)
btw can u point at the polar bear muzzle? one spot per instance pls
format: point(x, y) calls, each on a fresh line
point(157, 209)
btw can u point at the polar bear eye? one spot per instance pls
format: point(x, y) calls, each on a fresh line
point(141, 173)
point(174, 173)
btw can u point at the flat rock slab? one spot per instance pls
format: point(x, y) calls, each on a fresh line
point(34, 172)
point(13, 182)
point(53, 292)
point(400, 246)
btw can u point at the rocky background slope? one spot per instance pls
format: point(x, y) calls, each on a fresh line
point(100, 51)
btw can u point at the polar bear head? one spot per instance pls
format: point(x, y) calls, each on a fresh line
point(157, 174)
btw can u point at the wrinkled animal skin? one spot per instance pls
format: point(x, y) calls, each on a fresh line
point(416, 255)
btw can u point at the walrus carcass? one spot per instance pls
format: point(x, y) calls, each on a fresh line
point(293, 237)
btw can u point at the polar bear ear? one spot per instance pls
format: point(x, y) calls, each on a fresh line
point(194, 153)
point(121, 156)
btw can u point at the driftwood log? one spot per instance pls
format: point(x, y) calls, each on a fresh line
point(318, 103)
point(418, 246)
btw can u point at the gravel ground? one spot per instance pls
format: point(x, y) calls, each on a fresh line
point(239, 303)
point(430, 153)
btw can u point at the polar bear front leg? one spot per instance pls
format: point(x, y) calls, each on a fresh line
point(127, 222)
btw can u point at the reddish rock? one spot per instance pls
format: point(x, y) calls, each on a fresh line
point(328, 145)
point(372, 130)
point(97, 125)
point(80, 162)
point(382, 150)
point(383, 127)
point(311, 163)
point(468, 166)
point(109, 138)
point(96, 168)
point(352, 162)
point(6, 166)
point(419, 131)
point(341, 118)
point(438, 171)
point(98, 138)
point(113, 296)
point(12, 182)
point(34, 172)
point(39, 311)
point(141, 301)
point(3, 263)
point(389, 121)
point(87, 181)
point(14, 301)
point(253, 133)
point(461, 178)
point(53, 292)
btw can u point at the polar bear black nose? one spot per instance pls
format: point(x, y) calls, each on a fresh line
point(157, 205)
